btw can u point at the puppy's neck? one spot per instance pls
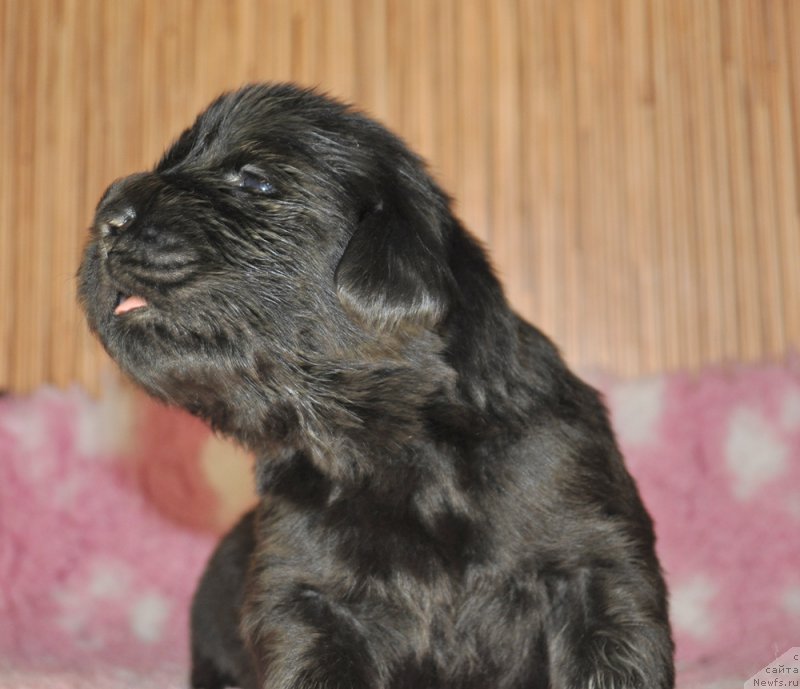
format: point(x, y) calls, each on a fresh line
point(371, 423)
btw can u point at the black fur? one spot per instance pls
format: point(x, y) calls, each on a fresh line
point(444, 505)
point(219, 657)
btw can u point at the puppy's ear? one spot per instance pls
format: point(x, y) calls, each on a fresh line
point(394, 270)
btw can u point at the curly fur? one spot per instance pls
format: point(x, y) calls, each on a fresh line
point(444, 504)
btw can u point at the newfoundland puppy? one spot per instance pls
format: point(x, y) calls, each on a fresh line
point(443, 504)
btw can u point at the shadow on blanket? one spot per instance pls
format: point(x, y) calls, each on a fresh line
point(95, 582)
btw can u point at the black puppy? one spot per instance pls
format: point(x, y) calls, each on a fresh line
point(445, 506)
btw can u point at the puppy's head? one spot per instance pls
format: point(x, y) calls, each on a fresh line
point(281, 230)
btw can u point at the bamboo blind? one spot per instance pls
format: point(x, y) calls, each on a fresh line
point(633, 165)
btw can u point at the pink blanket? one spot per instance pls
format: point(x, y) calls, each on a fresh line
point(95, 583)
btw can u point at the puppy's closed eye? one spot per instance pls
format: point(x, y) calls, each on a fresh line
point(252, 179)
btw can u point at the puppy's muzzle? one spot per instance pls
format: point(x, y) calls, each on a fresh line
point(145, 247)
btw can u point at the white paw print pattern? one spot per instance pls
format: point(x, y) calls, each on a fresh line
point(636, 409)
point(790, 412)
point(791, 601)
point(755, 453)
point(29, 435)
point(104, 429)
point(148, 614)
point(108, 586)
point(690, 602)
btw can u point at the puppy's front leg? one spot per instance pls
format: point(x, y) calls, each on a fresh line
point(606, 631)
point(306, 642)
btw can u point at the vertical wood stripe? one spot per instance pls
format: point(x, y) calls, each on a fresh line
point(633, 165)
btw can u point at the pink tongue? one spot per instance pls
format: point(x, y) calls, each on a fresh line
point(130, 304)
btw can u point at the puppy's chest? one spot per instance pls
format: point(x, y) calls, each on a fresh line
point(412, 586)
point(409, 615)
point(363, 539)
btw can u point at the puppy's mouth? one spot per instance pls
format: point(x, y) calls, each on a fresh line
point(126, 303)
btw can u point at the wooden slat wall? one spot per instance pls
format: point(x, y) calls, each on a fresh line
point(634, 165)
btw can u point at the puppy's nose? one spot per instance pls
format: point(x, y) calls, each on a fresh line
point(114, 220)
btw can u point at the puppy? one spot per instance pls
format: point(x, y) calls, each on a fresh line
point(444, 504)
point(219, 657)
